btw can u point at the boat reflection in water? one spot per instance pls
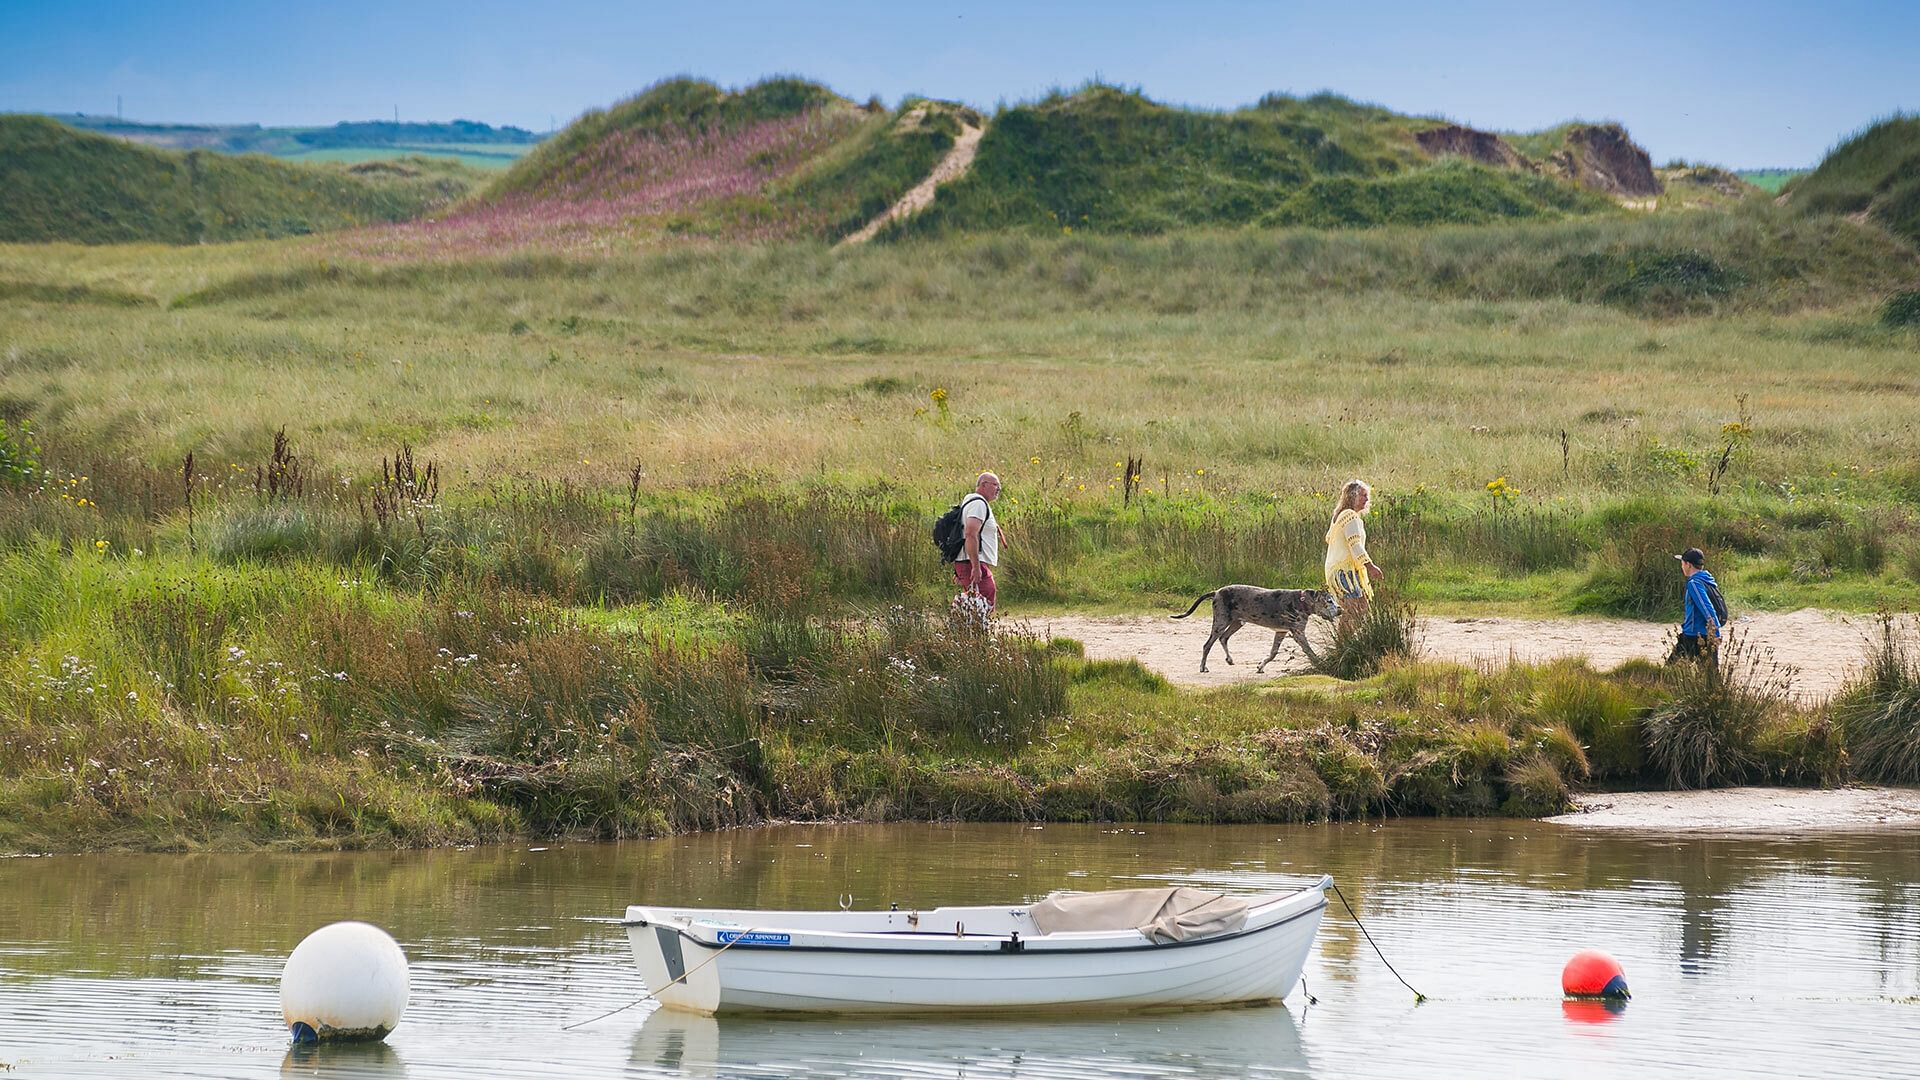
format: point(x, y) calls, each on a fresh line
point(1258, 1041)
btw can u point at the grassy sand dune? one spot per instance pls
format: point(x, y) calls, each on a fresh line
point(64, 184)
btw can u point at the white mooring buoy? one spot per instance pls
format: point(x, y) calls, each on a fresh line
point(347, 980)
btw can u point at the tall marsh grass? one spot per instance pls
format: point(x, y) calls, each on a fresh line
point(1879, 712)
point(1704, 734)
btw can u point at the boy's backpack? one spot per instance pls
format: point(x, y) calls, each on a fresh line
point(950, 530)
point(1719, 602)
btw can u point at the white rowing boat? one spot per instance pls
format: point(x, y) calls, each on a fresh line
point(1118, 950)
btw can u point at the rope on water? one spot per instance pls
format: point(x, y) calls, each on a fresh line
point(682, 977)
point(1418, 997)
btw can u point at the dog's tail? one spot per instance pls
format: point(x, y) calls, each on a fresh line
point(1204, 597)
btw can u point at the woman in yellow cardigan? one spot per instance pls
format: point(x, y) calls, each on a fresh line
point(1350, 570)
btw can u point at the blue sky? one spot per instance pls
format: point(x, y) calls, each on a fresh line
point(1748, 84)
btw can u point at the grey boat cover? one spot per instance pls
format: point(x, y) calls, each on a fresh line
point(1164, 915)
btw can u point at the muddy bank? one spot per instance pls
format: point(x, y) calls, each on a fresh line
point(1748, 810)
point(1814, 650)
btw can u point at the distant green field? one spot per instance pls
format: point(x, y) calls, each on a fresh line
point(1770, 180)
point(477, 156)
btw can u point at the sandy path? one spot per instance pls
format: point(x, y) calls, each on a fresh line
point(957, 161)
point(1747, 810)
point(1819, 648)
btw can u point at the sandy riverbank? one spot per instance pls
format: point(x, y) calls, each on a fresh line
point(1748, 810)
point(1818, 649)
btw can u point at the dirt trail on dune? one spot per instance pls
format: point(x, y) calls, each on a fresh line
point(1819, 648)
point(951, 167)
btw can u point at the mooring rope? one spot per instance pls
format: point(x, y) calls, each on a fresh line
point(1418, 997)
point(682, 977)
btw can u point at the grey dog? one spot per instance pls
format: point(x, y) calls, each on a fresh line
point(1284, 611)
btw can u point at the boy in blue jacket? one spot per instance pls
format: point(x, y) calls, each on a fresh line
point(1700, 626)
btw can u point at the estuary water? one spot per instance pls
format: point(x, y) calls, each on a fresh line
point(1788, 956)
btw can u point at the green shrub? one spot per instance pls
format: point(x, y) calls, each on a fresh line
point(1636, 577)
point(19, 455)
point(1879, 712)
point(1658, 280)
point(1901, 309)
point(1851, 546)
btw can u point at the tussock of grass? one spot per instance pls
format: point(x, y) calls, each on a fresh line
point(1387, 633)
point(1601, 716)
point(1901, 309)
point(1879, 712)
point(1704, 734)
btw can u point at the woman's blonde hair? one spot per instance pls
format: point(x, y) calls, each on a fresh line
point(1350, 495)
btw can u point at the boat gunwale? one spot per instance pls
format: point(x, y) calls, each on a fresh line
point(999, 942)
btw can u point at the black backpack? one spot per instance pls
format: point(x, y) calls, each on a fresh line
point(950, 532)
point(1719, 602)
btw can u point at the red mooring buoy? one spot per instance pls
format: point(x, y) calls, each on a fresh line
point(1593, 974)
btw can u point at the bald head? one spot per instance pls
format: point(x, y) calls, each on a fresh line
point(987, 486)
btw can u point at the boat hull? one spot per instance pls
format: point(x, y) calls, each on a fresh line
point(757, 974)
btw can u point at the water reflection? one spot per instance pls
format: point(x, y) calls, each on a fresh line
point(1256, 1042)
point(1593, 1012)
point(1744, 954)
point(344, 1061)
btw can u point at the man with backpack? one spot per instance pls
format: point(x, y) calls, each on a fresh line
point(969, 538)
point(1706, 610)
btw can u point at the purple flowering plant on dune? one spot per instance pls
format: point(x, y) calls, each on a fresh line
point(622, 190)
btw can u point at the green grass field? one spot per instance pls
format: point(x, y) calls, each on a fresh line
point(476, 157)
point(1771, 181)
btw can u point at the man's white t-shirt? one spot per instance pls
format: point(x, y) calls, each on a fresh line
point(975, 509)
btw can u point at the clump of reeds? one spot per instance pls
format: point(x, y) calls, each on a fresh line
point(1879, 711)
point(1704, 734)
point(1388, 631)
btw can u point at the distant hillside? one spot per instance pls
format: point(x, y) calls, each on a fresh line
point(1110, 160)
point(469, 141)
point(789, 158)
point(781, 158)
point(1876, 173)
point(64, 184)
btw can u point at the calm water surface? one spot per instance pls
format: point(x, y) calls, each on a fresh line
point(1786, 957)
